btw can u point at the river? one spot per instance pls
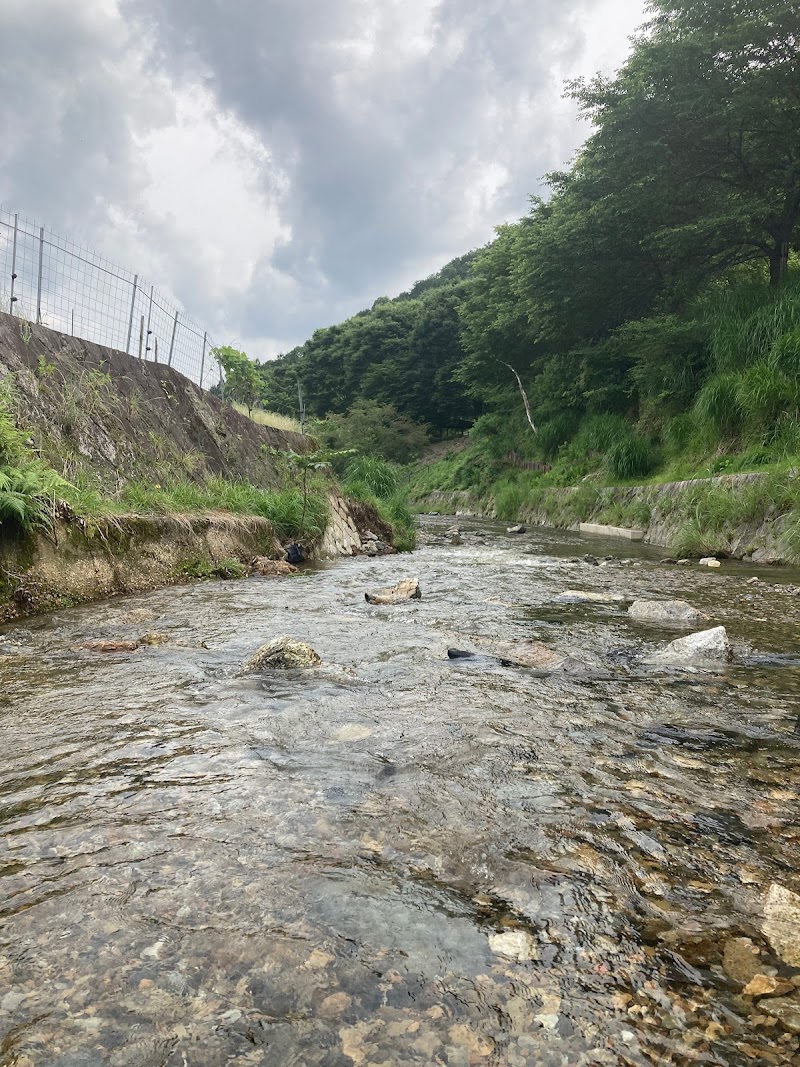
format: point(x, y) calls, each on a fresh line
point(398, 858)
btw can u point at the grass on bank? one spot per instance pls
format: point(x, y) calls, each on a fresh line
point(269, 418)
point(379, 483)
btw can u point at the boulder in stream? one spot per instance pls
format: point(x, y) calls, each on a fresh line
point(517, 529)
point(709, 561)
point(707, 647)
point(284, 653)
point(579, 596)
point(782, 923)
point(408, 589)
point(665, 611)
point(272, 568)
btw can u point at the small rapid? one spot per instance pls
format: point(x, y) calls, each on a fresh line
point(399, 858)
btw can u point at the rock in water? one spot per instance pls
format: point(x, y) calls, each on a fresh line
point(709, 561)
point(284, 653)
point(706, 647)
point(517, 529)
point(740, 960)
point(578, 596)
point(516, 945)
point(269, 568)
point(665, 611)
point(408, 589)
point(295, 553)
point(782, 923)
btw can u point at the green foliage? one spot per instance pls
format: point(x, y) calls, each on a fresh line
point(631, 457)
point(28, 488)
point(375, 475)
point(374, 429)
point(717, 404)
point(377, 482)
point(292, 516)
point(243, 382)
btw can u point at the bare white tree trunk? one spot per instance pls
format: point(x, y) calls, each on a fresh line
point(524, 394)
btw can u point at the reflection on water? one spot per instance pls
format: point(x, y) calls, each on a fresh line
point(398, 858)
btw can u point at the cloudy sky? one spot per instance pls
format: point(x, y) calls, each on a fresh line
point(275, 165)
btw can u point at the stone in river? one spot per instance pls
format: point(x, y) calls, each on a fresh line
point(665, 611)
point(517, 945)
point(708, 647)
point(272, 568)
point(709, 561)
point(578, 596)
point(764, 985)
point(740, 960)
point(283, 653)
point(408, 589)
point(786, 1011)
point(782, 923)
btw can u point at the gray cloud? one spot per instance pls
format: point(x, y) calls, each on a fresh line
point(398, 133)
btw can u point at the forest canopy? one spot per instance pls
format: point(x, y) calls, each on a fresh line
point(656, 285)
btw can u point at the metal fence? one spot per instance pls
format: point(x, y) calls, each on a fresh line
point(55, 282)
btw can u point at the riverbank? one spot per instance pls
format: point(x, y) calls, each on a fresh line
point(751, 517)
point(77, 560)
point(118, 476)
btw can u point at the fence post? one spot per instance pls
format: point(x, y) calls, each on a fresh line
point(141, 336)
point(13, 300)
point(39, 284)
point(149, 331)
point(203, 360)
point(172, 340)
point(130, 317)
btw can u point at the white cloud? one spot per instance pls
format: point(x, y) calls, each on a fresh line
point(276, 166)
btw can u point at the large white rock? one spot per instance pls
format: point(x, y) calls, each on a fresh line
point(517, 945)
point(580, 596)
point(782, 923)
point(706, 647)
point(665, 611)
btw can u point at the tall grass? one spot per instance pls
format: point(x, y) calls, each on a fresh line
point(376, 482)
point(290, 516)
point(269, 418)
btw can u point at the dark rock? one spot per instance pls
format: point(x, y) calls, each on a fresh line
point(295, 553)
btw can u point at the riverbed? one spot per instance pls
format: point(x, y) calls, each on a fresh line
point(398, 858)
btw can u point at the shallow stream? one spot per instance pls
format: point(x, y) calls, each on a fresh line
point(398, 858)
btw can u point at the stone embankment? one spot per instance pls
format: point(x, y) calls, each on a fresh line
point(666, 507)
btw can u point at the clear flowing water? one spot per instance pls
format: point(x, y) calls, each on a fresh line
point(397, 858)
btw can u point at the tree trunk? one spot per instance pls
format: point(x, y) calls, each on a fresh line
point(778, 263)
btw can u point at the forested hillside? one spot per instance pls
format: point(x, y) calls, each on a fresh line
point(650, 304)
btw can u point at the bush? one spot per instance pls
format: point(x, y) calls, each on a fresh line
point(508, 498)
point(718, 406)
point(630, 457)
point(28, 488)
point(376, 475)
point(374, 429)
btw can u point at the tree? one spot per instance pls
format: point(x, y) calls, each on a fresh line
point(243, 382)
point(707, 111)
